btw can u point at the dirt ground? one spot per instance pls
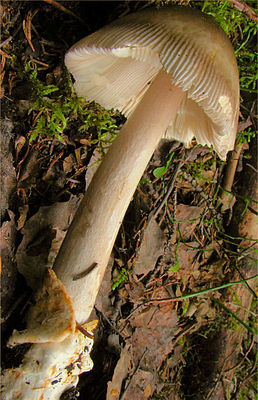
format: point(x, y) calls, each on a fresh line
point(150, 342)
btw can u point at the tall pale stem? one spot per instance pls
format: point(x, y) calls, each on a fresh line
point(92, 234)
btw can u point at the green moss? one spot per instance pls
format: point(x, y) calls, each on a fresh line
point(242, 32)
point(59, 110)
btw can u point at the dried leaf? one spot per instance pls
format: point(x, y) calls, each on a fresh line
point(7, 175)
point(68, 164)
point(103, 302)
point(151, 340)
point(141, 385)
point(37, 249)
point(120, 373)
point(188, 219)
point(228, 202)
point(184, 255)
point(151, 248)
point(19, 144)
point(9, 274)
point(23, 216)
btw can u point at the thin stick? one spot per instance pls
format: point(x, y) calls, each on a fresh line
point(231, 169)
point(62, 8)
point(26, 24)
point(170, 188)
point(84, 331)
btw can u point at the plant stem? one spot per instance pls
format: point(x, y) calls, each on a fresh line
point(204, 291)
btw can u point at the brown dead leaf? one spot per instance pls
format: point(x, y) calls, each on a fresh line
point(150, 249)
point(32, 257)
point(19, 144)
point(148, 391)
point(135, 290)
point(23, 216)
point(188, 219)
point(68, 163)
point(214, 272)
point(183, 255)
point(227, 203)
point(161, 293)
point(186, 254)
point(184, 185)
point(198, 154)
point(120, 373)
point(77, 153)
point(141, 386)
point(29, 166)
point(7, 175)
point(152, 337)
point(103, 302)
point(9, 274)
point(214, 245)
point(85, 142)
point(205, 311)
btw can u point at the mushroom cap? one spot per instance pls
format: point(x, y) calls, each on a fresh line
point(115, 65)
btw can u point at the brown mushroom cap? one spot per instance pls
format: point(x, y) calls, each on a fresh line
point(115, 65)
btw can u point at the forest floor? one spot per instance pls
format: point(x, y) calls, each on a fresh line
point(162, 333)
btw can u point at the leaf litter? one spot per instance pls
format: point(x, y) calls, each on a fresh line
point(178, 251)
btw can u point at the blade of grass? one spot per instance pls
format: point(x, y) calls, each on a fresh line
point(204, 291)
point(252, 330)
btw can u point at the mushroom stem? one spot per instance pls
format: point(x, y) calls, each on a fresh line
point(92, 234)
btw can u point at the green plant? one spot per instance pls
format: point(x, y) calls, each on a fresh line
point(160, 171)
point(198, 169)
point(209, 290)
point(57, 111)
point(121, 278)
point(251, 328)
point(246, 135)
point(242, 31)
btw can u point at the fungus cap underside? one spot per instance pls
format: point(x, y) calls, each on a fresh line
point(115, 65)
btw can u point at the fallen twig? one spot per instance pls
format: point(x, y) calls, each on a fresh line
point(26, 24)
point(171, 186)
point(62, 8)
point(231, 170)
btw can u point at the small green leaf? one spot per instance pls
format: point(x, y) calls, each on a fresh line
point(143, 181)
point(159, 172)
point(174, 268)
point(121, 279)
point(185, 307)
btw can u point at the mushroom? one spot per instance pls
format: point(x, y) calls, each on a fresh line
point(173, 73)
